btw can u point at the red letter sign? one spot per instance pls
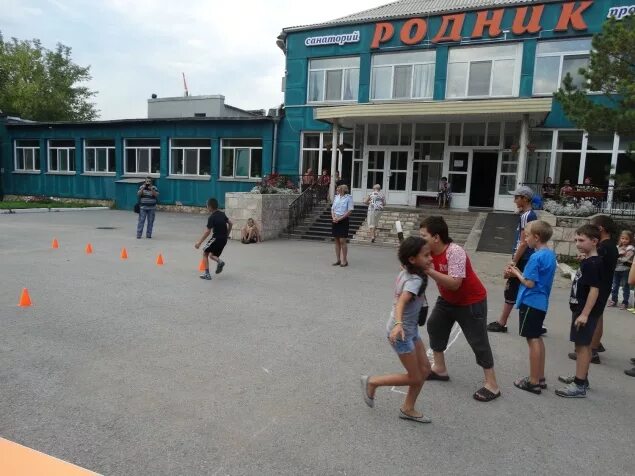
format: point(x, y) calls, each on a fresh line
point(383, 33)
point(572, 15)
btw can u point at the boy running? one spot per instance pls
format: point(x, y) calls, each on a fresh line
point(462, 299)
point(520, 256)
point(586, 307)
point(533, 300)
point(220, 226)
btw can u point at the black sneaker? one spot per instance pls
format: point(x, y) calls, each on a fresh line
point(601, 348)
point(595, 358)
point(219, 267)
point(496, 327)
point(630, 373)
point(206, 276)
point(633, 360)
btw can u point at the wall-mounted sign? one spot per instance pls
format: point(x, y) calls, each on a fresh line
point(458, 164)
point(342, 39)
point(620, 12)
point(526, 20)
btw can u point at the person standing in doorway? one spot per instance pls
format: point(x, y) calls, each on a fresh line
point(376, 202)
point(520, 255)
point(340, 211)
point(148, 197)
point(219, 226)
point(463, 299)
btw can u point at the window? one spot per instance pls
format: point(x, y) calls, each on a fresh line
point(190, 157)
point(333, 79)
point(99, 156)
point(403, 75)
point(484, 71)
point(475, 134)
point(509, 165)
point(554, 59)
point(143, 156)
point(427, 165)
point(27, 155)
point(389, 134)
point(241, 158)
point(61, 156)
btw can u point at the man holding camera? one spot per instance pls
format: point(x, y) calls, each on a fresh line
point(148, 195)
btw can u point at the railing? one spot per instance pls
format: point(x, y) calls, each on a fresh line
point(302, 206)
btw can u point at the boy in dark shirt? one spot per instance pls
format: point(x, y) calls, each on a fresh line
point(586, 307)
point(219, 226)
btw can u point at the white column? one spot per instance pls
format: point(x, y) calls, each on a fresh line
point(333, 161)
point(585, 140)
point(522, 151)
point(614, 155)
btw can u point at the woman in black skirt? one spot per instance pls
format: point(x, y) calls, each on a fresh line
point(340, 211)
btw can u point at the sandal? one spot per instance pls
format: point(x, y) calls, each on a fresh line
point(344, 265)
point(421, 419)
point(483, 394)
point(337, 263)
point(370, 401)
point(525, 384)
point(435, 376)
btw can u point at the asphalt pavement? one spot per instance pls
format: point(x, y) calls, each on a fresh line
point(129, 368)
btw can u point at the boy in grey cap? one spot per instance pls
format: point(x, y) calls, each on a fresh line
point(520, 255)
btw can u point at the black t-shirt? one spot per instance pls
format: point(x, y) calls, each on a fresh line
point(217, 222)
point(607, 250)
point(588, 276)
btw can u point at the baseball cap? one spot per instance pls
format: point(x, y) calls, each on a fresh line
point(523, 191)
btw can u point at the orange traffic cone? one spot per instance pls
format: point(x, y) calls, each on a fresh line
point(124, 253)
point(160, 260)
point(201, 267)
point(55, 245)
point(89, 249)
point(25, 299)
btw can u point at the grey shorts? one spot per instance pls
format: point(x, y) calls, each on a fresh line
point(372, 218)
point(473, 322)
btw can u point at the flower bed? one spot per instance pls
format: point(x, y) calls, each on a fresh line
point(275, 183)
point(570, 208)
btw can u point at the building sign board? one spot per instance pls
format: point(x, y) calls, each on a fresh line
point(621, 12)
point(341, 39)
point(527, 20)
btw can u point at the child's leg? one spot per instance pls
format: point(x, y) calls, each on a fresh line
point(206, 258)
point(583, 360)
point(536, 360)
point(626, 289)
point(597, 335)
point(413, 379)
point(616, 286)
point(214, 258)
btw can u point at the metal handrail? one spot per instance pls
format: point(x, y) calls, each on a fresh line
point(303, 205)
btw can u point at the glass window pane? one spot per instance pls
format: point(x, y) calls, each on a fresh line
point(375, 160)
point(190, 143)
point(242, 162)
point(472, 53)
point(402, 82)
point(90, 160)
point(397, 181)
point(177, 161)
point(507, 184)
point(256, 163)
point(423, 82)
point(626, 143)
point(191, 162)
point(480, 72)
point(428, 151)
point(503, 77)
point(20, 153)
point(509, 167)
point(540, 139)
point(143, 143)
point(430, 132)
point(36, 166)
point(373, 134)
point(537, 169)
point(340, 62)
point(571, 65)
point(493, 133)
point(389, 134)
point(54, 163)
point(562, 46)
point(29, 160)
point(155, 165)
point(242, 142)
point(410, 57)
point(71, 160)
point(381, 83)
point(102, 156)
point(458, 182)
point(597, 168)
point(351, 84)
point(143, 161)
point(27, 143)
point(569, 140)
point(311, 141)
point(131, 161)
point(511, 134)
point(100, 143)
point(357, 173)
point(374, 177)
point(459, 161)
point(546, 74)
point(600, 142)
point(227, 168)
point(457, 78)
point(310, 162)
point(111, 160)
point(333, 85)
point(474, 134)
point(398, 161)
point(426, 176)
point(455, 134)
point(205, 162)
point(406, 134)
point(316, 86)
point(62, 143)
point(62, 155)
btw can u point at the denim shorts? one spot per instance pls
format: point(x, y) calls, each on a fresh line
point(408, 345)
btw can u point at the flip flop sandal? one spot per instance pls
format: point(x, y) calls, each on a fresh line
point(525, 384)
point(435, 376)
point(485, 395)
point(337, 263)
point(543, 383)
point(421, 419)
point(368, 400)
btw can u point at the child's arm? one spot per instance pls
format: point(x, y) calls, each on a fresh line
point(230, 224)
point(628, 254)
point(588, 307)
point(631, 276)
point(528, 283)
point(197, 245)
point(448, 282)
point(397, 330)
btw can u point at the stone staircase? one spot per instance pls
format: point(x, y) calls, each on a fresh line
point(317, 226)
point(460, 224)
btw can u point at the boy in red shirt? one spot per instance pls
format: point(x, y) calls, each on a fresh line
point(462, 299)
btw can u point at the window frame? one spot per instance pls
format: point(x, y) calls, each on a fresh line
point(392, 67)
point(343, 69)
point(561, 55)
point(241, 178)
point(50, 149)
point(480, 58)
point(136, 149)
point(198, 174)
point(33, 150)
point(109, 149)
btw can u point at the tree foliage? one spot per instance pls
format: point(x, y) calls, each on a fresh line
point(43, 85)
point(611, 72)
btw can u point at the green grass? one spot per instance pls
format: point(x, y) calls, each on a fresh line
point(570, 260)
point(22, 204)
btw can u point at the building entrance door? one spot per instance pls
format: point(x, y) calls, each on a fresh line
point(483, 181)
point(390, 168)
